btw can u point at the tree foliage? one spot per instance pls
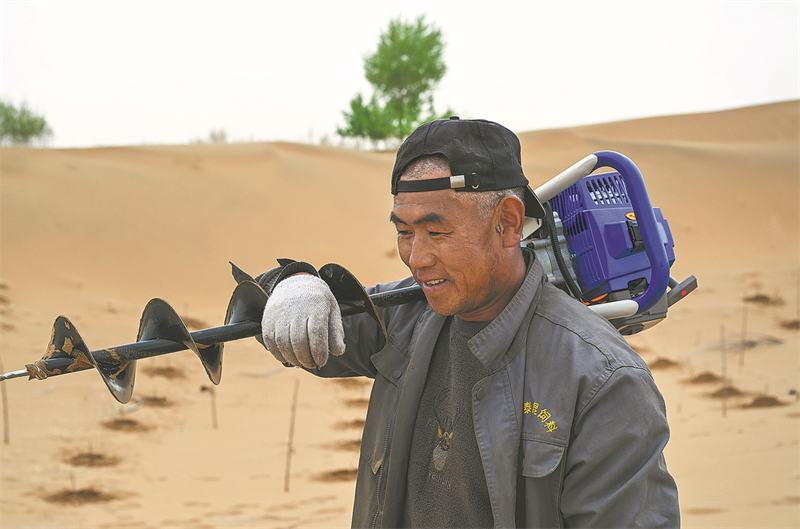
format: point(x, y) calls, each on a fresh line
point(218, 136)
point(20, 126)
point(404, 71)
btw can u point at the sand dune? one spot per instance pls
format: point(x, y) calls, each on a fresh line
point(95, 233)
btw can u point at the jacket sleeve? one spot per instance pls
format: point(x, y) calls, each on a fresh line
point(363, 337)
point(616, 475)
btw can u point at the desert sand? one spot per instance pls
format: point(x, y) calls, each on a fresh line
point(94, 234)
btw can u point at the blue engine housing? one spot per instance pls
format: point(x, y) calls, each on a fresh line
point(604, 238)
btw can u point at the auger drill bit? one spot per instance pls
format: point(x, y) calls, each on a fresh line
point(161, 331)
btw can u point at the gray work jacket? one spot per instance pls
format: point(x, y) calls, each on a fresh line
point(569, 422)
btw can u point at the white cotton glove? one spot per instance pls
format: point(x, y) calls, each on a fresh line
point(302, 322)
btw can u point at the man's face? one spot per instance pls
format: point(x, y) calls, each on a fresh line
point(451, 252)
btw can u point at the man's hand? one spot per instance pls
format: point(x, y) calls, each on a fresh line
point(302, 322)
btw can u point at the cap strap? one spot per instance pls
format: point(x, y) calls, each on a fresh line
point(433, 184)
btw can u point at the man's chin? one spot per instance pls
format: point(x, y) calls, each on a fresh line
point(440, 308)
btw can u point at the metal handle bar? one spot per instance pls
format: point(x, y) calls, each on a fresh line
point(642, 207)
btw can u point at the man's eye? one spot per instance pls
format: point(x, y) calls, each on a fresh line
point(403, 233)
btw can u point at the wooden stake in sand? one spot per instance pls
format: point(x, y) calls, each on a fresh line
point(744, 331)
point(210, 389)
point(798, 294)
point(724, 372)
point(6, 433)
point(290, 440)
point(74, 496)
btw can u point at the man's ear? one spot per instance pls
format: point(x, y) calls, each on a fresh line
point(510, 218)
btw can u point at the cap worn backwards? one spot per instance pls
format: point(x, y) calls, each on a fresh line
point(483, 156)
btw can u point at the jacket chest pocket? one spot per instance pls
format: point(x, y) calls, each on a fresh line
point(540, 459)
point(542, 469)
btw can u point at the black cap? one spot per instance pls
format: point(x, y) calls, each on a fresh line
point(483, 156)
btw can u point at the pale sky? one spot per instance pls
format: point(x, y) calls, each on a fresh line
point(130, 73)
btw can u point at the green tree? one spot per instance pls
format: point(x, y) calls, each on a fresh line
point(404, 71)
point(20, 126)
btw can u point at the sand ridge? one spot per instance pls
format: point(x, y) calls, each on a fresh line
point(95, 233)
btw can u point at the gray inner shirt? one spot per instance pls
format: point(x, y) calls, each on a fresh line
point(446, 485)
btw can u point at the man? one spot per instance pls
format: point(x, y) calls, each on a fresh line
point(499, 401)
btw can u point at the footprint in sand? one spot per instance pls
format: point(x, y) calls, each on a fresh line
point(332, 476)
point(765, 401)
point(79, 496)
point(92, 459)
point(662, 363)
point(126, 425)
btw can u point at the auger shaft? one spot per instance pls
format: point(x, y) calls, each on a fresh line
point(390, 298)
point(202, 338)
point(23, 372)
point(148, 349)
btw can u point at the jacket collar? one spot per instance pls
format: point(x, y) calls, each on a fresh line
point(491, 344)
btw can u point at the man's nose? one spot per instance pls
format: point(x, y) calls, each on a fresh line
point(421, 254)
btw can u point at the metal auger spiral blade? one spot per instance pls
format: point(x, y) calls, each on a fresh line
point(161, 331)
point(66, 352)
point(160, 321)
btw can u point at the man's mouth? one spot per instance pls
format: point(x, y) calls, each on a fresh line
point(434, 282)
